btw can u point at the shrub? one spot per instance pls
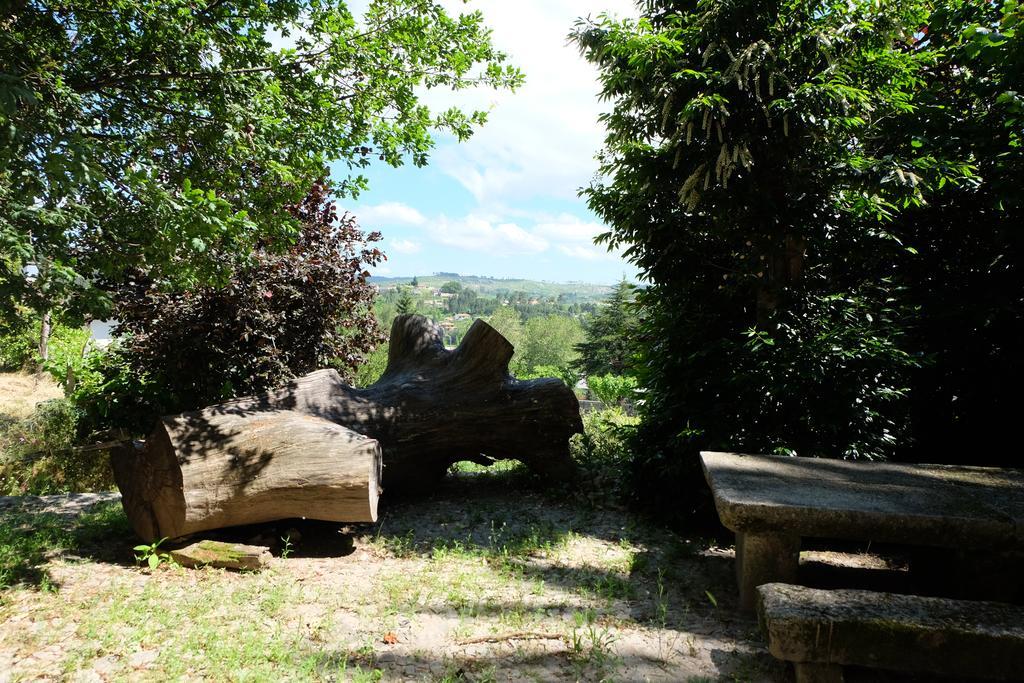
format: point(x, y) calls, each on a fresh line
point(287, 313)
point(612, 390)
point(372, 368)
point(68, 347)
point(112, 394)
point(603, 455)
point(17, 348)
point(38, 454)
point(566, 373)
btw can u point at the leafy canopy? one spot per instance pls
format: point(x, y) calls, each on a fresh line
point(284, 314)
point(776, 168)
point(167, 135)
point(611, 334)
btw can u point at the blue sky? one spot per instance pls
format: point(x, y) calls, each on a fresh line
point(505, 203)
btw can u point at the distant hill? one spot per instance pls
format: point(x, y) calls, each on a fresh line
point(489, 286)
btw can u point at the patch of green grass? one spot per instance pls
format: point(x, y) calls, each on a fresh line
point(220, 628)
point(502, 540)
point(499, 467)
point(25, 543)
point(613, 587)
point(590, 646)
point(29, 540)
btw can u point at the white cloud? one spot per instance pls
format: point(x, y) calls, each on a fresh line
point(477, 232)
point(569, 228)
point(540, 140)
point(389, 213)
point(588, 253)
point(497, 233)
point(405, 246)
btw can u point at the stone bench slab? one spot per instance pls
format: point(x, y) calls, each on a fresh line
point(820, 631)
point(944, 506)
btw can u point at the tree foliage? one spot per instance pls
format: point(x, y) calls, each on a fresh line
point(769, 166)
point(551, 341)
point(611, 334)
point(612, 390)
point(405, 304)
point(284, 315)
point(509, 323)
point(162, 135)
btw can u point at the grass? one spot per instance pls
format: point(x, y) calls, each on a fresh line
point(28, 541)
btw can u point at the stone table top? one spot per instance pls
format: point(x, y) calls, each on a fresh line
point(934, 505)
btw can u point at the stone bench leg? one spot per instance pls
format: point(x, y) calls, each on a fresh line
point(764, 558)
point(817, 672)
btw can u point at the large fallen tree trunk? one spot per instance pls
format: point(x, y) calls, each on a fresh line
point(431, 407)
point(227, 466)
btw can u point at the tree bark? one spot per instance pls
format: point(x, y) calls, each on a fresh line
point(431, 407)
point(44, 338)
point(226, 466)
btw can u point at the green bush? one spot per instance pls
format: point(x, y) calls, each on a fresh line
point(566, 373)
point(603, 455)
point(67, 349)
point(612, 390)
point(372, 368)
point(17, 348)
point(38, 455)
point(110, 394)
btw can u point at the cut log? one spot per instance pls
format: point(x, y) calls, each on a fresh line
point(431, 407)
point(227, 466)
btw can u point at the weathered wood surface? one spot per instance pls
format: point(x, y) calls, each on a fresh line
point(431, 407)
point(821, 631)
point(936, 505)
point(222, 555)
point(227, 466)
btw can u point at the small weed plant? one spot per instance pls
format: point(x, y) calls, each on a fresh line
point(151, 555)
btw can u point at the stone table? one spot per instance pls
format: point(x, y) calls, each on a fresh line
point(770, 502)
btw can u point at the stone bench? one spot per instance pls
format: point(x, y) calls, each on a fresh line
point(821, 631)
point(772, 502)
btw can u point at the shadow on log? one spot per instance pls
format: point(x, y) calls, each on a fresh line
point(431, 407)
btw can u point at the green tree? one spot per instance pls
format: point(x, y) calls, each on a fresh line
point(611, 334)
point(612, 390)
point(551, 341)
point(746, 174)
point(284, 315)
point(464, 301)
point(452, 287)
point(168, 136)
point(964, 278)
point(405, 304)
point(414, 282)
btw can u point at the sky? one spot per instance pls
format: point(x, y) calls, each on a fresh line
point(504, 203)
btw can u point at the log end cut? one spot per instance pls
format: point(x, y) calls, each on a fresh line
point(222, 468)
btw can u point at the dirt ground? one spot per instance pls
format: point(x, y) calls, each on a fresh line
point(20, 392)
point(487, 579)
point(481, 582)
